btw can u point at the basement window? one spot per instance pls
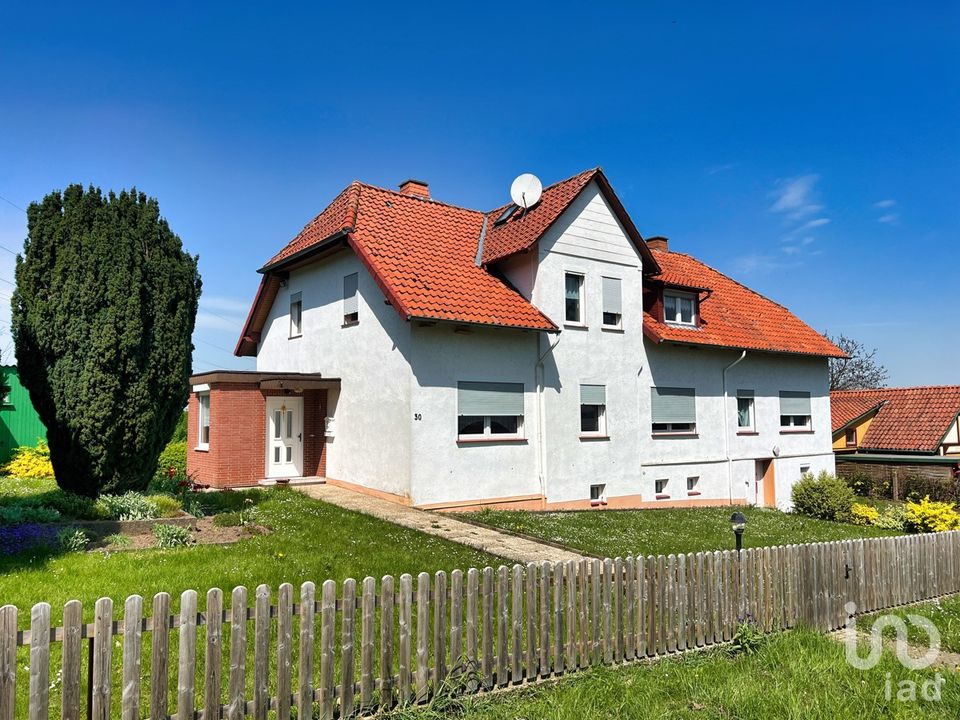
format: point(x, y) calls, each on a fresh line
point(660, 487)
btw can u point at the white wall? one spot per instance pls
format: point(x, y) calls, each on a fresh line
point(442, 469)
point(588, 239)
point(372, 442)
point(766, 375)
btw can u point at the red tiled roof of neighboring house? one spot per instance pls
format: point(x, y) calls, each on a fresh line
point(911, 419)
point(732, 315)
point(844, 409)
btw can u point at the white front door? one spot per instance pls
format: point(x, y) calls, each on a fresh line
point(284, 437)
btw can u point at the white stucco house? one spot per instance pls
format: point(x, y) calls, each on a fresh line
point(542, 359)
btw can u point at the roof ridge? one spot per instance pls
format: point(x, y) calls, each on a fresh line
point(549, 187)
point(733, 280)
point(371, 186)
point(895, 389)
point(327, 207)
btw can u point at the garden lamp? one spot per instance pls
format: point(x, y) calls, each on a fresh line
point(737, 523)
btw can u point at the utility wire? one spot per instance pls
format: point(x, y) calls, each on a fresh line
point(12, 204)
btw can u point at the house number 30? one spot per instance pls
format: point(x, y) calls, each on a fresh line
point(417, 416)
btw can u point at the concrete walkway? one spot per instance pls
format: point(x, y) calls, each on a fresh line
point(446, 526)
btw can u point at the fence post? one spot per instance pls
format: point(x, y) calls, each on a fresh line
point(347, 649)
point(130, 692)
point(186, 675)
point(102, 654)
point(236, 702)
point(8, 662)
point(72, 649)
point(39, 661)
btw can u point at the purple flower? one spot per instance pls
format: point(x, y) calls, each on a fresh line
point(16, 539)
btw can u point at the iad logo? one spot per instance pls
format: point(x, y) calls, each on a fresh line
point(906, 689)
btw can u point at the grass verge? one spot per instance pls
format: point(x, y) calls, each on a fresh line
point(670, 530)
point(794, 675)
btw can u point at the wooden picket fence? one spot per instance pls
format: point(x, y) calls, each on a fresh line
point(400, 642)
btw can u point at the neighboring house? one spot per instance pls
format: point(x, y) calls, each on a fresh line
point(19, 422)
point(893, 433)
point(540, 359)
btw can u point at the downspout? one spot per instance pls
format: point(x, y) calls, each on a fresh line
point(726, 425)
point(541, 417)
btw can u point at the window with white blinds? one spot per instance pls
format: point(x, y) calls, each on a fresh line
point(673, 409)
point(612, 303)
point(593, 410)
point(351, 313)
point(489, 409)
point(795, 413)
point(296, 315)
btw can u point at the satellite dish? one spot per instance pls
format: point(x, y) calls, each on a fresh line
point(526, 190)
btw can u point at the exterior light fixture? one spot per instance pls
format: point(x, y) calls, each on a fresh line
point(738, 523)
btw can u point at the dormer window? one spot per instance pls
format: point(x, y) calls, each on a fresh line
point(679, 308)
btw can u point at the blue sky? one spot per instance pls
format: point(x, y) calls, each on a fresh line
point(811, 151)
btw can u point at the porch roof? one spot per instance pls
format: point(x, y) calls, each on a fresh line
point(266, 380)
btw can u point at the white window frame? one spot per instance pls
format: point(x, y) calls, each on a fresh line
point(352, 318)
point(581, 321)
point(680, 296)
point(487, 433)
point(603, 305)
point(659, 489)
point(693, 484)
point(749, 396)
point(796, 423)
point(203, 398)
point(601, 430)
point(296, 327)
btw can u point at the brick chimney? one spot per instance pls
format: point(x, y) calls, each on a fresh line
point(417, 188)
point(658, 243)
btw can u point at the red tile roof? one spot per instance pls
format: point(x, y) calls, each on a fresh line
point(522, 230)
point(423, 255)
point(911, 419)
point(844, 409)
point(732, 315)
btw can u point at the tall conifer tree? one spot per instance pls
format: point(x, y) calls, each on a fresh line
point(103, 313)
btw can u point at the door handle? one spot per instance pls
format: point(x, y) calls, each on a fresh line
point(300, 437)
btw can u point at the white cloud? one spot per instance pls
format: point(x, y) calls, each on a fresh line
point(888, 203)
point(819, 222)
point(796, 197)
point(715, 169)
point(889, 219)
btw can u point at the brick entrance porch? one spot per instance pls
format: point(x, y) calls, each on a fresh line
point(227, 424)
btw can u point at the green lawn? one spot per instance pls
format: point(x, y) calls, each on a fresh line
point(615, 533)
point(796, 675)
point(944, 613)
point(311, 540)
